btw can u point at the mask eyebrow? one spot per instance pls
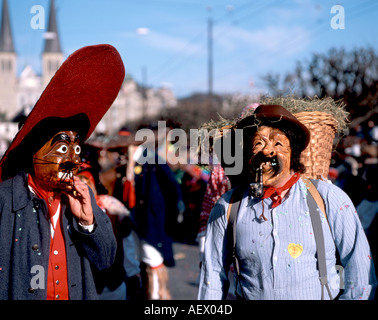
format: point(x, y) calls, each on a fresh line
point(77, 138)
point(60, 137)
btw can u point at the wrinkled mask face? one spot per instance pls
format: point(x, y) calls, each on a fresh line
point(58, 161)
point(271, 151)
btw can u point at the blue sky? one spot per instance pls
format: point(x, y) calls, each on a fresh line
point(250, 37)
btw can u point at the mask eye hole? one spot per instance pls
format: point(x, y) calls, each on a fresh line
point(63, 149)
point(77, 149)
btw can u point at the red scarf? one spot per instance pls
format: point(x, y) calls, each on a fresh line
point(275, 193)
point(52, 198)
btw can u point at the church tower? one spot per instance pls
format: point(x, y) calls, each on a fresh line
point(52, 56)
point(8, 69)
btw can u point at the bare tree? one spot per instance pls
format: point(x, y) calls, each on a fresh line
point(351, 76)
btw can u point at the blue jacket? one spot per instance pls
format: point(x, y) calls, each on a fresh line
point(155, 214)
point(25, 245)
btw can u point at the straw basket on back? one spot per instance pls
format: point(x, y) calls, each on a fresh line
point(317, 156)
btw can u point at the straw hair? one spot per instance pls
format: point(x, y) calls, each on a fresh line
point(295, 105)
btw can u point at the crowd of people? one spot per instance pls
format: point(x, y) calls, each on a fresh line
point(163, 204)
point(91, 220)
point(354, 168)
point(189, 193)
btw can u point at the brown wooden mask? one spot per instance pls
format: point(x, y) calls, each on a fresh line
point(58, 161)
point(271, 151)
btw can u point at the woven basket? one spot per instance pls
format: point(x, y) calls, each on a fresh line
point(317, 156)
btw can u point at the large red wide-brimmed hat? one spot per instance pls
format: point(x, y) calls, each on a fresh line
point(76, 98)
point(280, 117)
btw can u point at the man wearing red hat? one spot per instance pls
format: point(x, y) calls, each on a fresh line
point(281, 244)
point(52, 233)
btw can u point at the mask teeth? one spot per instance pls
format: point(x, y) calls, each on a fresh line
point(73, 181)
point(66, 175)
point(62, 177)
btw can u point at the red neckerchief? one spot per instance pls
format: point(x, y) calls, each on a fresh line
point(52, 198)
point(275, 193)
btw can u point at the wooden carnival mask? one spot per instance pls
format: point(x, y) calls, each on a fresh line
point(56, 163)
point(271, 153)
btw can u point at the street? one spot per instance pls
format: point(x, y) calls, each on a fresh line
point(183, 276)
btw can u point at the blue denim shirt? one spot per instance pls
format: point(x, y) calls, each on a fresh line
point(278, 257)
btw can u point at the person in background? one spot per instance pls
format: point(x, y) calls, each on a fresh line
point(217, 185)
point(157, 206)
point(122, 280)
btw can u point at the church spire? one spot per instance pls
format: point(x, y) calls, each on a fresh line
point(52, 43)
point(6, 39)
point(52, 55)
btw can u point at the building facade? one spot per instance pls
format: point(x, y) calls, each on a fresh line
point(19, 93)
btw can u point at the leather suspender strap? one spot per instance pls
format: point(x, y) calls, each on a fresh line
point(319, 240)
point(232, 215)
point(315, 194)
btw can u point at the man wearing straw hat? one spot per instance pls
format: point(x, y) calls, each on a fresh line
point(281, 243)
point(52, 233)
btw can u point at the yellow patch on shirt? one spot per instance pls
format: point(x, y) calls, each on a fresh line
point(295, 250)
point(137, 169)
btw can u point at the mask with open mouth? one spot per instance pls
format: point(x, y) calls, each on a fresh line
point(56, 163)
point(265, 163)
point(271, 156)
point(261, 165)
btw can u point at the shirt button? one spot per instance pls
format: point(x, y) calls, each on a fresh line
point(57, 282)
point(56, 252)
point(56, 267)
point(57, 296)
point(35, 247)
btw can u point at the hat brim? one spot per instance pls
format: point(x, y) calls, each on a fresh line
point(87, 83)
